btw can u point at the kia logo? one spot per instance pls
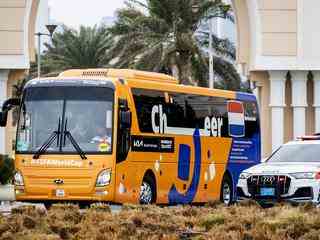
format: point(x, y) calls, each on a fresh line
point(58, 181)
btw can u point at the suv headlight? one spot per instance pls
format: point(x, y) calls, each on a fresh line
point(104, 178)
point(18, 179)
point(244, 175)
point(304, 175)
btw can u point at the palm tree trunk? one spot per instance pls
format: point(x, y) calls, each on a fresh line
point(175, 71)
point(185, 68)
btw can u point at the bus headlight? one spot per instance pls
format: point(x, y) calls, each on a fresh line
point(18, 179)
point(104, 178)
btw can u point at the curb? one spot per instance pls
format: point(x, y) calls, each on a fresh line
point(7, 193)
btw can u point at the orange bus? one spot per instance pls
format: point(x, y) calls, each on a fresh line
point(128, 136)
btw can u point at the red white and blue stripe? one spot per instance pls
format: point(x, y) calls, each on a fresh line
point(236, 119)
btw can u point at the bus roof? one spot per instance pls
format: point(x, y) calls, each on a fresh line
point(120, 73)
point(150, 80)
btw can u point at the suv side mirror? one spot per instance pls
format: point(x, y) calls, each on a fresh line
point(6, 107)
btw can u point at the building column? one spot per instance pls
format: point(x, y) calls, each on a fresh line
point(316, 103)
point(277, 104)
point(256, 90)
point(4, 74)
point(299, 102)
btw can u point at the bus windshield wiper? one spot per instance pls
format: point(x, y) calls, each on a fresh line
point(55, 135)
point(67, 134)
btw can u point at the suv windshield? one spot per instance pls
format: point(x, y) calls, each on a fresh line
point(86, 112)
point(297, 153)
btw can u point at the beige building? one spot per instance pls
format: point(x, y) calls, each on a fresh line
point(17, 24)
point(277, 49)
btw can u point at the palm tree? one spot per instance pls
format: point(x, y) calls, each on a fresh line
point(164, 34)
point(86, 48)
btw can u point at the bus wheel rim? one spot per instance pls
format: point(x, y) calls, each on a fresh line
point(226, 193)
point(146, 193)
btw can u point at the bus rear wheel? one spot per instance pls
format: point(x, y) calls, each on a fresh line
point(226, 192)
point(147, 191)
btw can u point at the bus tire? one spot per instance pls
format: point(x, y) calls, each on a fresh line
point(147, 190)
point(47, 205)
point(226, 192)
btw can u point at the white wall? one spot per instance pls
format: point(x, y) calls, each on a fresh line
point(43, 18)
point(309, 33)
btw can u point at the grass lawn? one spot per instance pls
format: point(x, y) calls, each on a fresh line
point(214, 221)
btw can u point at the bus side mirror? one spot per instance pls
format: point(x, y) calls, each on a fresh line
point(125, 119)
point(3, 119)
point(6, 107)
point(124, 135)
point(125, 116)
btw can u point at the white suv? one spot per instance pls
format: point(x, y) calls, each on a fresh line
point(292, 173)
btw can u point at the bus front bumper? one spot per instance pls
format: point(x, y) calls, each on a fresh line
point(104, 194)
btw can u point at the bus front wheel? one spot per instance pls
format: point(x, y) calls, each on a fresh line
point(226, 192)
point(147, 191)
point(47, 205)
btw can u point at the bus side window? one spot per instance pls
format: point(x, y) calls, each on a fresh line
point(175, 110)
point(251, 118)
point(144, 101)
point(199, 108)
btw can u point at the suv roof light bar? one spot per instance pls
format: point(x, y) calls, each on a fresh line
point(315, 136)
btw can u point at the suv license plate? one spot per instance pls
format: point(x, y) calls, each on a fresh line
point(267, 192)
point(60, 193)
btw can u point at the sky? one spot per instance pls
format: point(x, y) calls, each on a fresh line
point(82, 12)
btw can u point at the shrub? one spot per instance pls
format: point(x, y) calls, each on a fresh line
point(212, 220)
point(6, 169)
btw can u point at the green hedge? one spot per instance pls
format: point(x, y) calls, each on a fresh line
point(6, 169)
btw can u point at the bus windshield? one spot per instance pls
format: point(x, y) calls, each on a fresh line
point(85, 112)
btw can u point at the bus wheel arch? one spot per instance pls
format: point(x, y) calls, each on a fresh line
point(227, 189)
point(148, 189)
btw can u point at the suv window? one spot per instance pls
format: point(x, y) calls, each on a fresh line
point(297, 153)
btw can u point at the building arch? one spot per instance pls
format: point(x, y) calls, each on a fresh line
point(273, 37)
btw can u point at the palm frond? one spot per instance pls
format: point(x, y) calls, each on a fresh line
point(165, 31)
point(222, 47)
point(229, 77)
point(86, 48)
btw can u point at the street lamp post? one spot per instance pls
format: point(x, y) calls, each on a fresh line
point(223, 10)
point(211, 74)
point(51, 28)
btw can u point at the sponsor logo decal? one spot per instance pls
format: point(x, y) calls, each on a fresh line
point(236, 119)
point(212, 125)
point(174, 195)
point(162, 119)
point(56, 163)
point(58, 181)
point(152, 144)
